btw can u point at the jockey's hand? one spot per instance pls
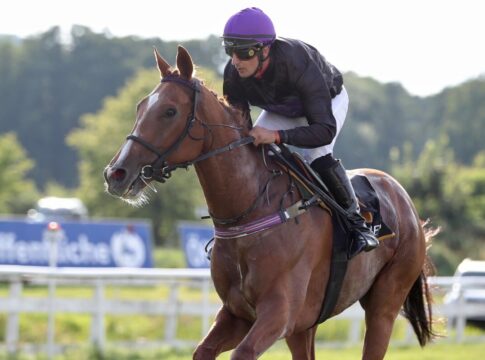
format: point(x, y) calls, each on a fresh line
point(263, 136)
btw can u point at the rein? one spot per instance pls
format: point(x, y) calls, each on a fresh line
point(234, 145)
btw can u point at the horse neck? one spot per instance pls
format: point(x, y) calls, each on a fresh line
point(231, 181)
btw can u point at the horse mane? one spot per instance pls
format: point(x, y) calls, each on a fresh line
point(242, 117)
point(239, 116)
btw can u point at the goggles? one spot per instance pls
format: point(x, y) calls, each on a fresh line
point(242, 53)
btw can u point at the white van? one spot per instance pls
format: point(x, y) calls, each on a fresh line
point(54, 208)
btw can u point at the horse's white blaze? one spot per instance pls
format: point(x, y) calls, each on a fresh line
point(152, 100)
point(125, 151)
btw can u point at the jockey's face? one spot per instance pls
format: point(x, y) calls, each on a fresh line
point(247, 68)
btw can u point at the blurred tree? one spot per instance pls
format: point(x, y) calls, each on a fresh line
point(381, 117)
point(39, 104)
point(461, 115)
point(17, 191)
point(8, 73)
point(450, 194)
point(47, 83)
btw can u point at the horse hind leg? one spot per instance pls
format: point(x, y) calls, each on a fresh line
point(226, 333)
point(382, 309)
point(302, 345)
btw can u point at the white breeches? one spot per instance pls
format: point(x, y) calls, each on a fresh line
point(272, 121)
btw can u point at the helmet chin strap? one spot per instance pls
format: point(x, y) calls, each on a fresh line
point(261, 60)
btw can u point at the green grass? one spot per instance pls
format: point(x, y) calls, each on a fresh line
point(431, 352)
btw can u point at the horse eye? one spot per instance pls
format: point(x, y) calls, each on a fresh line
point(170, 112)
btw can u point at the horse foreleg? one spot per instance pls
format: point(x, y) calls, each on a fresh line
point(272, 317)
point(225, 334)
point(302, 345)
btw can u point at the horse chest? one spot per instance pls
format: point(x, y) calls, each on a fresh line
point(230, 274)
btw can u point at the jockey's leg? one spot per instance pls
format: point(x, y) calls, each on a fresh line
point(334, 176)
point(226, 333)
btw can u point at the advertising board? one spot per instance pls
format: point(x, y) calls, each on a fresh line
point(76, 244)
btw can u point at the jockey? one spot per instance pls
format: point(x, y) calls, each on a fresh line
point(303, 99)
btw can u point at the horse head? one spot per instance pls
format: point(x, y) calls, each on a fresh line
point(165, 131)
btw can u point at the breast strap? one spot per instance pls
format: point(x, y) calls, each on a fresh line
point(262, 224)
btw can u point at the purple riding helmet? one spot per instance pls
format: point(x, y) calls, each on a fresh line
point(250, 27)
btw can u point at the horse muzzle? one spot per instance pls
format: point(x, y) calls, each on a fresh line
point(119, 183)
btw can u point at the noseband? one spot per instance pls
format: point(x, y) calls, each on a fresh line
point(160, 170)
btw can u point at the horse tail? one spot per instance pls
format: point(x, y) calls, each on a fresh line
point(417, 309)
point(417, 306)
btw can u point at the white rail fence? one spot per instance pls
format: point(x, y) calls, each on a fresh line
point(172, 307)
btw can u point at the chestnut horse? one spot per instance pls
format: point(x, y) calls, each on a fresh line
point(272, 283)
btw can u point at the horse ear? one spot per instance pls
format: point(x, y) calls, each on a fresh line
point(184, 63)
point(162, 65)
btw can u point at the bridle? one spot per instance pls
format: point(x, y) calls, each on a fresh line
point(160, 170)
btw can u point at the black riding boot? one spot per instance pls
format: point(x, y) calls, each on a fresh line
point(335, 177)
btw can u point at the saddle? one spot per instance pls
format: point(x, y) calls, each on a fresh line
point(315, 193)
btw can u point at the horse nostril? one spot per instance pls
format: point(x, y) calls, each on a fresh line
point(118, 175)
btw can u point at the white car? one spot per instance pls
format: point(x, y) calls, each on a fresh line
point(472, 293)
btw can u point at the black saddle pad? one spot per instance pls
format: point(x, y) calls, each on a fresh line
point(369, 206)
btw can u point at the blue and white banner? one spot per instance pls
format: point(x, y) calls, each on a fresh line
point(76, 244)
point(194, 238)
